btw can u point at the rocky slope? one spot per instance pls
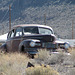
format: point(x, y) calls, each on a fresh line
point(59, 14)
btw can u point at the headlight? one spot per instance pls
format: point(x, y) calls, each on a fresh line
point(66, 46)
point(32, 44)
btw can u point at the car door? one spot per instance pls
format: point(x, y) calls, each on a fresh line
point(17, 38)
point(9, 40)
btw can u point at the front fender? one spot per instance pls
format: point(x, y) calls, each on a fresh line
point(26, 43)
point(22, 44)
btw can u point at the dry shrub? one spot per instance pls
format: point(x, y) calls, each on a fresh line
point(41, 70)
point(73, 56)
point(43, 54)
point(49, 58)
point(13, 64)
point(56, 58)
point(71, 72)
point(69, 50)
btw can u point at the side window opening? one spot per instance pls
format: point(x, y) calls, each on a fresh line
point(18, 32)
point(11, 34)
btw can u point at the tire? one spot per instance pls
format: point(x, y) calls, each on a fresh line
point(32, 56)
point(3, 48)
point(21, 50)
point(3, 51)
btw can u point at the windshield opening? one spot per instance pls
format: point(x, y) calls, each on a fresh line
point(31, 30)
point(45, 31)
point(37, 30)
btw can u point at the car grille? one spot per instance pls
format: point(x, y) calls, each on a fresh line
point(49, 45)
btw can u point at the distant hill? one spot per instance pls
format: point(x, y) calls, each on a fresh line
point(59, 14)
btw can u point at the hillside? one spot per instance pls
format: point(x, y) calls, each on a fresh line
point(59, 14)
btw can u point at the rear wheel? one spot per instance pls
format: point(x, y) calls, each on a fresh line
point(3, 48)
point(3, 51)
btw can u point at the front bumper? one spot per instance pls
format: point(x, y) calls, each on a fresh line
point(48, 46)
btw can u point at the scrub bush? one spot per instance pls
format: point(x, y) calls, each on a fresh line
point(43, 54)
point(41, 70)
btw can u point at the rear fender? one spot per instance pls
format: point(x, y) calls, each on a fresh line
point(3, 47)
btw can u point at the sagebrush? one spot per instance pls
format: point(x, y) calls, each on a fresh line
point(41, 70)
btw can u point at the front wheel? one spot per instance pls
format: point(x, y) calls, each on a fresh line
point(22, 50)
point(31, 55)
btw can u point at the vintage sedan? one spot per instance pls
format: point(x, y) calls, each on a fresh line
point(28, 38)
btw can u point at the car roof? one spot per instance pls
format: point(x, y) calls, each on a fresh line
point(27, 25)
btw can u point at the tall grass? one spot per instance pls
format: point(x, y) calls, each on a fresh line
point(13, 64)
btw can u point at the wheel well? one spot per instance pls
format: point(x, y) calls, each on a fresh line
point(3, 47)
point(22, 49)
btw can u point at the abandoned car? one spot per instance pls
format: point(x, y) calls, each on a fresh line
point(28, 38)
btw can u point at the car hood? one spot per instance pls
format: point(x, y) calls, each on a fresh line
point(44, 38)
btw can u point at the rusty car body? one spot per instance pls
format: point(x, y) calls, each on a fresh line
point(28, 38)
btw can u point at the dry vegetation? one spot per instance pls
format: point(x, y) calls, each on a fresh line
point(73, 56)
point(63, 62)
point(13, 64)
point(41, 70)
point(43, 54)
point(16, 63)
